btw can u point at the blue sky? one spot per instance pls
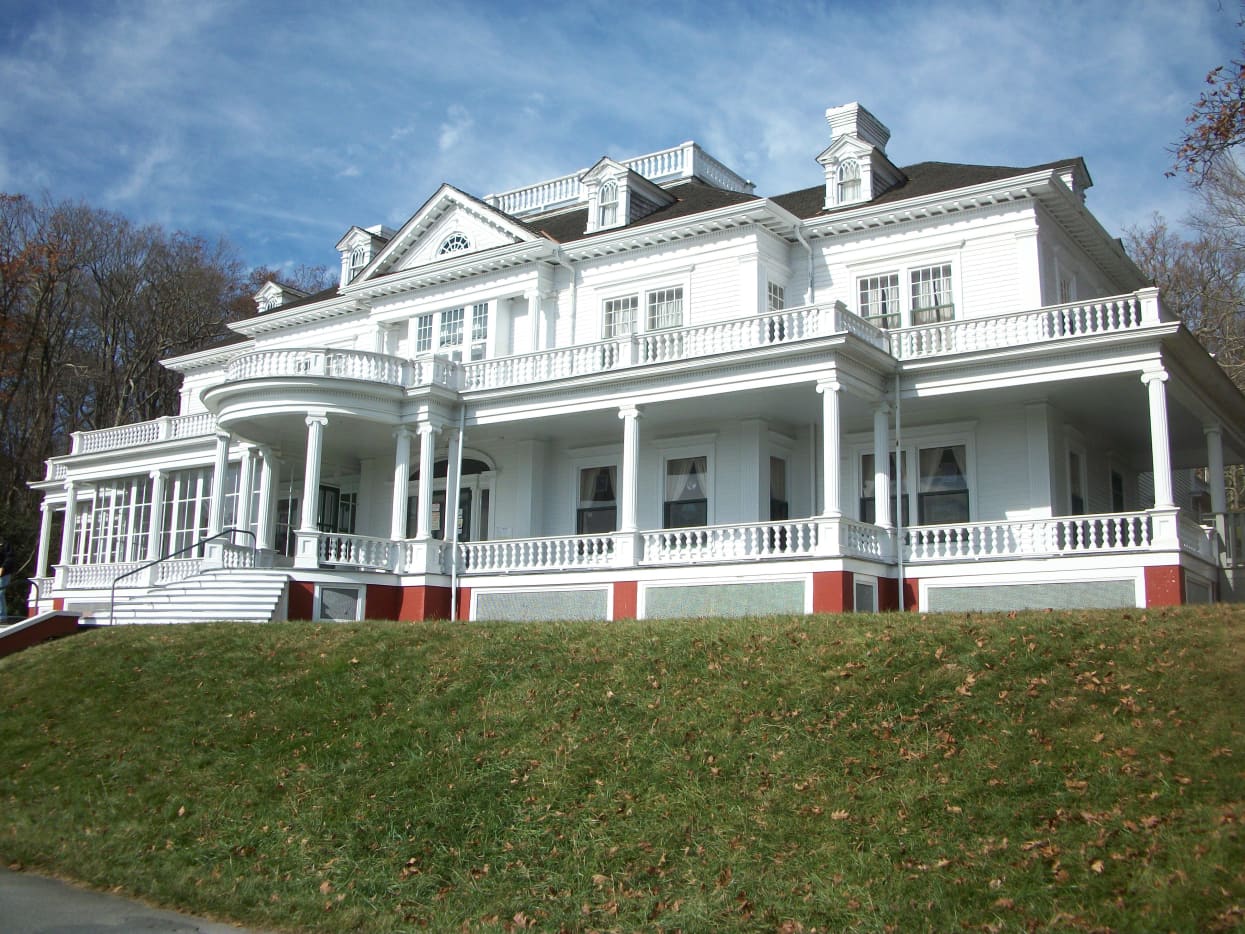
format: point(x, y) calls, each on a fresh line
point(278, 125)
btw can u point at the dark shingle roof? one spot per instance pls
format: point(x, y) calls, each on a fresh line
point(924, 178)
point(691, 197)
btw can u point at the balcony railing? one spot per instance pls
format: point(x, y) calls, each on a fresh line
point(1101, 316)
point(1065, 535)
point(157, 429)
point(730, 542)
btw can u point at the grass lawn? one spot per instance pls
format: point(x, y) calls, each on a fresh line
point(1036, 771)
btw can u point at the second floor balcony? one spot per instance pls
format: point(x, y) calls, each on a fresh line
point(773, 331)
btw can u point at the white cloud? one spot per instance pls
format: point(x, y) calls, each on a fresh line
point(457, 124)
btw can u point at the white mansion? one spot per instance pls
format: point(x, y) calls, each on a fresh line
point(642, 390)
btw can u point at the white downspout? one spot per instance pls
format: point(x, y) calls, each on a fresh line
point(451, 513)
point(808, 292)
point(899, 494)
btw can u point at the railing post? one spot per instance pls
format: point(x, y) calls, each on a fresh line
point(1151, 310)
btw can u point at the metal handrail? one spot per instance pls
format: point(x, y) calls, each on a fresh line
point(112, 593)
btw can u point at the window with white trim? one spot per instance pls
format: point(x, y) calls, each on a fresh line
point(931, 294)
point(358, 259)
point(942, 487)
point(620, 315)
point(687, 492)
point(607, 204)
point(597, 507)
point(423, 334)
point(775, 297)
point(848, 181)
point(452, 327)
point(879, 299)
point(665, 308)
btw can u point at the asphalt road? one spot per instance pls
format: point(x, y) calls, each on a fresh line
point(31, 904)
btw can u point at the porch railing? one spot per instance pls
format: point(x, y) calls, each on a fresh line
point(792, 539)
point(538, 554)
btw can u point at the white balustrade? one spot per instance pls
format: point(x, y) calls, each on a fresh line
point(359, 551)
point(1120, 532)
point(1101, 316)
point(730, 542)
point(537, 554)
point(340, 364)
point(862, 540)
point(91, 576)
point(176, 569)
point(237, 556)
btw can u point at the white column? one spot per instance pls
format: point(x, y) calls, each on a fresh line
point(401, 476)
point(264, 523)
point(311, 473)
point(246, 488)
point(155, 522)
point(830, 448)
point(534, 317)
point(220, 473)
point(1214, 468)
point(630, 479)
point(1160, 439)
point(881, 466)
point(71, 518)
point(427, 455)
point(45, 532)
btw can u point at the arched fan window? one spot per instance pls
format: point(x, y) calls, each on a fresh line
point(607, 205)
point(454, 243)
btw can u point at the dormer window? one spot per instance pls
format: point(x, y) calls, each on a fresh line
point(454, 243)
point(849, 181)
point(358, 259)
point(607, 205)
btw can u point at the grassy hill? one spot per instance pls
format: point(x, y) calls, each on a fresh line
point(1046, 771)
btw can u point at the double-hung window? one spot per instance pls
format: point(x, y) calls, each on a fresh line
point(423, 334)
point(665, 308)
point(452, 327)
point(775, 297)
point(687, 492)
point(879, 300)
point(931, 294)
point(597, 510)
point(942, 491)
point(620, 315)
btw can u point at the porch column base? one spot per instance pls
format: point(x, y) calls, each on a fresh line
point(829, 528)
point(1165, 529)
point(423, 557)
point(627, 549)
point(306, 549)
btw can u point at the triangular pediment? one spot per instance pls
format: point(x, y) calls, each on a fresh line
point(450, 224)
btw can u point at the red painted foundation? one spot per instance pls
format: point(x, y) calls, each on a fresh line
point(53, 627)
point(626, 599)
point(832, 592)
point(302, 600)
point(1165, 586)
point(911, 594)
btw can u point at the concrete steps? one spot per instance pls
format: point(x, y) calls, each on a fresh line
point(252, 596)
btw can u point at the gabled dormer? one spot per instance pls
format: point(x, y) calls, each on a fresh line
point(359, 247)
point(273, 294)
point(855, 162)
point(617, 195)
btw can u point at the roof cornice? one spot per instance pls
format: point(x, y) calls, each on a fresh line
point(204, 359)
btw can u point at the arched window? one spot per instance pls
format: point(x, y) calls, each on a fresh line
point(607, 205)
point(358, 259)
point(849, 181)
point(454, 243)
